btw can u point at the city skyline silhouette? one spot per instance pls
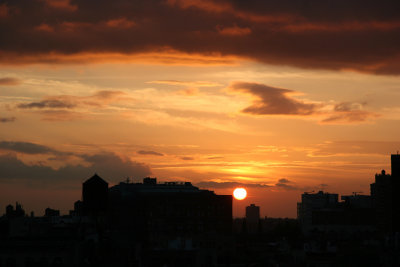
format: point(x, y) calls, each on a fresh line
point(175, 224)
point(297, 102)
point(277, 97)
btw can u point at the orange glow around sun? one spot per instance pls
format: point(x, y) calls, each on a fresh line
point(240, 193)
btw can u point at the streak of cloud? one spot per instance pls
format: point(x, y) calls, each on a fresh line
point(9, 81)
point(148, 152)
point(7, 119)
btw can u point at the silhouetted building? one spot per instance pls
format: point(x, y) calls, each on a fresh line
point(94, 196)
point(385, 193)
point(357, 201)
point(395, 160)
point(322, 212)
point(78, 208)
point(51, 212)
point(252, 218)
point(311, 204)
point(18, 212)
point(171, 222)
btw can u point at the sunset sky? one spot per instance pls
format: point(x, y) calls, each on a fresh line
point(278, 97)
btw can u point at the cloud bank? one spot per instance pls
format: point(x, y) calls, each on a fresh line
point(107, 164)
point(357, 35)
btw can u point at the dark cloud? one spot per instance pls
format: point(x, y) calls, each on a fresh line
point(286, 184)
point(108, 165)
point(283, 180)
point(9, 81)
point(341, 34)
point(62, 107)
point(26, 147)
point(273, 101)
point(51, 103)
point(186, 158)
point(7, 119)
point(98, 99)
point(145, 152)
point(216, 157)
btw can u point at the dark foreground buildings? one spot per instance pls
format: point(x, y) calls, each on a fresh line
point(360, 230)
point(379, 211)
point(129, 224)
point(172, 224)
point(385, 193)
point(176, 224)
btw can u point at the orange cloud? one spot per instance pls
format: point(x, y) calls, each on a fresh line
point(347, 112)
point(163, 57)
point(120, 23)
point(187, 83)
point(44, 27)
point(233, 31)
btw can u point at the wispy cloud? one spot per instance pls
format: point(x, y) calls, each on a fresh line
point(70, 107)
point(187, 83)
point(186, 158)
point(282, 184)
point(219, 185)
point(286, 184)
point(234, 30)
point(7, 119)
point(27, 147)
point(99, 99)
point(348, 112)
point(149, 152)
point(9, 81)
point(50, 103)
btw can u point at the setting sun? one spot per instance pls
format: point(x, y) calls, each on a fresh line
point(239, 193)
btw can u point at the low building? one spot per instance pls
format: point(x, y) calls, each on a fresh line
point(172, 221)
point(324, 213)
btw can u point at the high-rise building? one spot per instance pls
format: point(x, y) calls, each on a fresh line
point(94, 196)
point(252, 218)
point(385, 193)
point(395, 160)
point(311, 203)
